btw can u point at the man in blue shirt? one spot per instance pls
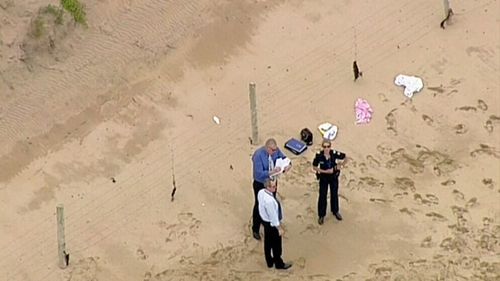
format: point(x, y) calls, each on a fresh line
point(264, 160)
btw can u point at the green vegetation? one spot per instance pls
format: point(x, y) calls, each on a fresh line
point(38, 27)
point(75, 8)
point(56, 12)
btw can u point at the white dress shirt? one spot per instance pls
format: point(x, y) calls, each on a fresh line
point(268, 207)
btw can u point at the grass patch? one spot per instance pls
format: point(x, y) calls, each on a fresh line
point(38, 27)
point(75, 8)
point(54, 11)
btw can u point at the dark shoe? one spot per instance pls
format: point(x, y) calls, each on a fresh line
point(270, 266)
point(285, 266)
point(338, 216)
point(321, 220)
point(256, 235)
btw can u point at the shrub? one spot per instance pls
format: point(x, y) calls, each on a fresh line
point(75, 8)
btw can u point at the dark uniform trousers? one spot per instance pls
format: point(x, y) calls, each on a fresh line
point(324, 182)
point(272, 246)
point(257, 186)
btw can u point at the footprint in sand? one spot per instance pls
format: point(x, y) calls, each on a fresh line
point(405, 184)
point(453, 244)
point(406, 211)
point(425, 201)
point(432, 198)
point(380, 200)
point(415, 165)
point(187, 225)
point(427, 242)
point(436, 90)
point(459, 227)
point(458, 211)
point(482, 105)
point(140, 254)
point(488, 242)
point(313, 228)
point(351, 184)
point(467, 108)
point(393, 163)
point(472, 203)
point(488, 182)
point(449, 182)
point(147, 276)
point(484, 149)
point(384, 149)
point(84, 269)
point(397, 157)
point(363, 168)
point(384, 273)
point(391, 121)
point(428, 120)
point(300, 263)
point(372, 161)
point(489, 125)
point(436, 216)
point(350, 162)
point(382, 97)
point(458, 195)
point(400, 195)
point(487, 221)
point(460, 129)
point(342, 196)
point(370, 181)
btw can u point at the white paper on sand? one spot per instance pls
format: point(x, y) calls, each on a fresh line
point(282, 163)
point(412, 84)
point(329, 131)
point(216, 120)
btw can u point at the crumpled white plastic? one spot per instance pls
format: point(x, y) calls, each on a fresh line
point(329, 131)
point(412, 84)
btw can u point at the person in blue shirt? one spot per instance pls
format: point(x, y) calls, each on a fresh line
point(264, 159)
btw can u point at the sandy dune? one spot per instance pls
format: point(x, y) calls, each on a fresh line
point(101, 119)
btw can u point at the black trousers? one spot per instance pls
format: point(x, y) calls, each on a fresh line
point(256, 220)
point(272, 246)
point(324, 182)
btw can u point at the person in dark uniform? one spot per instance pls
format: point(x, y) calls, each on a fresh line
point(263, 161)
point(271, 213)
point(325, 165)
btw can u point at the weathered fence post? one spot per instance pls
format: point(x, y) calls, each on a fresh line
point(61, 243)
point(253, 110)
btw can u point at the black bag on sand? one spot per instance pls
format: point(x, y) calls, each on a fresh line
point(306, 136)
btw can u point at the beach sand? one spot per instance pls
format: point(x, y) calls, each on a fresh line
point(100, 118)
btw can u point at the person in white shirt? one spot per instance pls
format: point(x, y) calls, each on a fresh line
point(271, 214)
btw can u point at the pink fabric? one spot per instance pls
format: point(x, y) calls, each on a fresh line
point(363, 111)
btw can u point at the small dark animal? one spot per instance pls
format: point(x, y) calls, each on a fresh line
point(450, 13)
point(357, 73)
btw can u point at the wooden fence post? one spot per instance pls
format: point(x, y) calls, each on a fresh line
point(61, 243)
point(446, 4)
point(253, 109)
